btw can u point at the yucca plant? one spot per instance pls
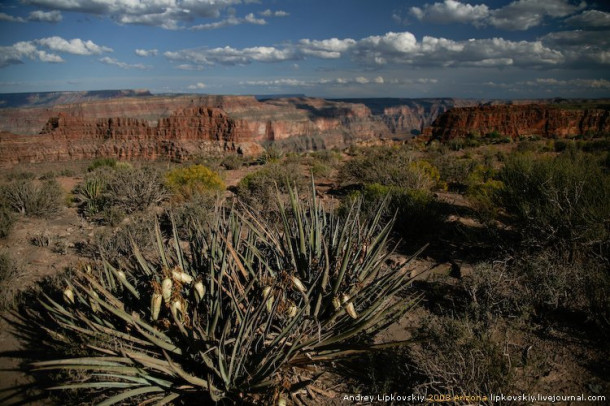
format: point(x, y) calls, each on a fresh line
point(227, 317)
point(90, 195)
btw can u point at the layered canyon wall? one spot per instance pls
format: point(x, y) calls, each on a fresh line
point(181, 126)
point(542, 120)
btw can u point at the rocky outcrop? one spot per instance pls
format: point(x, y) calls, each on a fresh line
point(185, 125)
point(186, 133)
point(544, 120)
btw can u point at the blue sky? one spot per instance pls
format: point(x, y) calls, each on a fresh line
point(330, 48)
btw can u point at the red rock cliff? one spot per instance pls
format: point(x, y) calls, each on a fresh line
point(520, 120)
point(187, 132)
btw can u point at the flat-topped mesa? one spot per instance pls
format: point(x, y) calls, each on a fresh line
point(187, 132)
point(193, 123)
point(543, 120)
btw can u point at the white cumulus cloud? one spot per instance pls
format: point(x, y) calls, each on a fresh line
point(74, 46)
point(112, 61)
point(45, 16)
point(278, 13)
point(198, 85)
point(403, 48)
point(450, 11)
point(37, 15)
point(591, 19)
point(147, 52)
point(517, 15)
point(14, 54)
point(12, 19)
point(168, 14)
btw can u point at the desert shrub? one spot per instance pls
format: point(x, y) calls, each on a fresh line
point(417, 214)
point(392, 167)
point(327, 156)
point(188, 182)
point(136, 189)
point(7, 220)
point(116, 247)
point(102, 162)
point(197, 211)
point(33, 198)
point(320, 169)
point(246, 303)
point(7, 267)
point(483, 189)
point(494, 290)
point(232, 162)
point(536, 285)
point(9, 280)
point(259, 189)
point(41, 239)
point(454, 171)
point(460, 357)
point(272, 154)
point(67, 172)
point(108, 195)
point(48, 175)
point(112, 215)
point(21, 175)
point(562, 201)
point(91, 195)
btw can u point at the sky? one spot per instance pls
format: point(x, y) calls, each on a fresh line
point(322, 48)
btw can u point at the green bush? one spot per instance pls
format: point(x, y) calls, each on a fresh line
point(91, 195)
point(390, 166)
point(483, 189)
point(232, 162)
point(7, 220)
point(259, 189)
point(188, 182)
point(244, 305)
point(11, 281)
point(136, 189)
point(32, 198)
point(562, 201)
point(320, 169)
point(453, 170)
point(417, 214)
point(272, 154)
point(102, 162)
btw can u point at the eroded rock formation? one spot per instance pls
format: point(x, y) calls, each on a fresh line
point(187, 132)
point(544, 120)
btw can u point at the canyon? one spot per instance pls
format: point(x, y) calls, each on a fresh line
point(124, 124)
point(138, 125)
point(556, 120)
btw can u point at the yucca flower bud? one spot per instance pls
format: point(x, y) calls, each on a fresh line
point(155, 305)
point(349, 307)
point(122, 277)
point(199, 291)
point(69, 295)
point(269, 303)
point(336, 303)
point(181, 276)
point(93, 303)
point(292, 310)
point(298, 285)
point(175, 308)
point(166, 289)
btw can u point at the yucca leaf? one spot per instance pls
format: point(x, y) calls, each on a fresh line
point(168, 399)
point(129, 394)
